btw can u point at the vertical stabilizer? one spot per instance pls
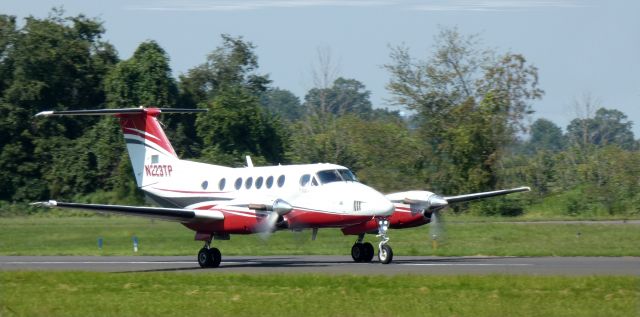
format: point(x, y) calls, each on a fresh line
point(152, 156)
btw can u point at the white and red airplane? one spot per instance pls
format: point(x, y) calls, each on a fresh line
point(217, 201)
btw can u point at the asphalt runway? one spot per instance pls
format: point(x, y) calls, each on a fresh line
point(334, 265)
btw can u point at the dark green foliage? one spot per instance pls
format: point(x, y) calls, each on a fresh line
point(608, 126)
point(236, 124)
point(60, 63)
point(282, 103)
point(345, 96)
point(545, 136)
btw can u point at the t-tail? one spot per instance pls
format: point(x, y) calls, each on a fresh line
point(152, 156)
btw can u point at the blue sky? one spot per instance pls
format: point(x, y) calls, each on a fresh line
point(580, 47)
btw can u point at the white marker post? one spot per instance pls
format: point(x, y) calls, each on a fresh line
point(135, 244)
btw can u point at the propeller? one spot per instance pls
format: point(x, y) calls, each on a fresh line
point(431, 207)
point(436, 228)
point(268, 225)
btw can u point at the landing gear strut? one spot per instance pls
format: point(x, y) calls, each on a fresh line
point(362, 252)
point(208, 256)
point(385, 254)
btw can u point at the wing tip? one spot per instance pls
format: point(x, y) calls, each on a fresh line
point(44, 113)
point(50, 203)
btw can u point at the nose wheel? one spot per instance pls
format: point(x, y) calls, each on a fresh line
point(385, 253)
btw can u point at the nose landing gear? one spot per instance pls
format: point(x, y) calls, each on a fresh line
point(385, 253)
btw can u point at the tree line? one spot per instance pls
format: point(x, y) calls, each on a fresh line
point(467, 128)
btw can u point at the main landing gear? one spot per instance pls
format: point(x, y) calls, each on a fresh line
point(363, 252)
point(208, 256)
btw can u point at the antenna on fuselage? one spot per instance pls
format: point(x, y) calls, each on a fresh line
point(249, 162)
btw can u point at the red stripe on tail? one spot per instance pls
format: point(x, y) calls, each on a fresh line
point(148, 124)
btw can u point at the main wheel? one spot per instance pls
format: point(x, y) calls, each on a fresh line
point(385, 254)
point(205, 258)
point(216, 257)
point(368, 252)
point(357, 252)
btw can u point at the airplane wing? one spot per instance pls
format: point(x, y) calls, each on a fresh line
point(174, 214)
point(474, 196)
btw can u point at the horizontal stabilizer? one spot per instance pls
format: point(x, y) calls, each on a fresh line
point(177, 214)
point(100, 112)
point(470, 197)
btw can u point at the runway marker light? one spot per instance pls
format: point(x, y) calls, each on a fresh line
point(135, 244)
point(434, 242)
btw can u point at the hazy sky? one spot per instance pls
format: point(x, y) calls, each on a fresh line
point(580, 47)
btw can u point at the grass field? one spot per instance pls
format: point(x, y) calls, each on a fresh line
point(139, 294)
point(78, 236)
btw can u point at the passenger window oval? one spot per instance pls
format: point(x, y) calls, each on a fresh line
point(281, 181)
point(248, 183)
point(259, 182)
point(269, 181)
point(221, 184)
point(238, 183)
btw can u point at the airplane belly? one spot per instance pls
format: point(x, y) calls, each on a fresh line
point(306, 218)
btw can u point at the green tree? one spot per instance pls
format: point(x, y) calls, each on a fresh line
point(344, 96)
point(230, 87)
point(283, 103)
point(470, 104)
point(608, 126)
point(545, 135)
point(58, 62)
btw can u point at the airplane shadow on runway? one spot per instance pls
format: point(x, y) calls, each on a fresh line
point(294, 262)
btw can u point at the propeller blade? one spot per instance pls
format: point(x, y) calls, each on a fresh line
point(268, 225)
point(437, 230)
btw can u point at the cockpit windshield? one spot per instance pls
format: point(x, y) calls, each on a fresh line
point(341, 175)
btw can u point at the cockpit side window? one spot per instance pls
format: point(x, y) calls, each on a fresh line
point(329, 176)
point(347, 175)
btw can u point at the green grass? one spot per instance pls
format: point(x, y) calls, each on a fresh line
point(161, 294)
point(78, 236)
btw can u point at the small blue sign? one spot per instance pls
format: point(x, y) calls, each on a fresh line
point(100, 243)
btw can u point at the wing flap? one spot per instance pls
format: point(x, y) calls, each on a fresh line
point(175, 214)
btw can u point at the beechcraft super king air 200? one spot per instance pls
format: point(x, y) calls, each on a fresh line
point(218, 201)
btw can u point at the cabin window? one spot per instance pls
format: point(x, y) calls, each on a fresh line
point(281, 181)
point(221, 184)
point(269, 181)
point(238, 183)
point(248, 183)
point(259, 182)
point(304, 180)
point(204, 185)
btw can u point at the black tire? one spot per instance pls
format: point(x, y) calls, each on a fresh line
point(385, 254)
point(216, 257)
point(357, 252)
point(205, 258)
point(368, 252)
